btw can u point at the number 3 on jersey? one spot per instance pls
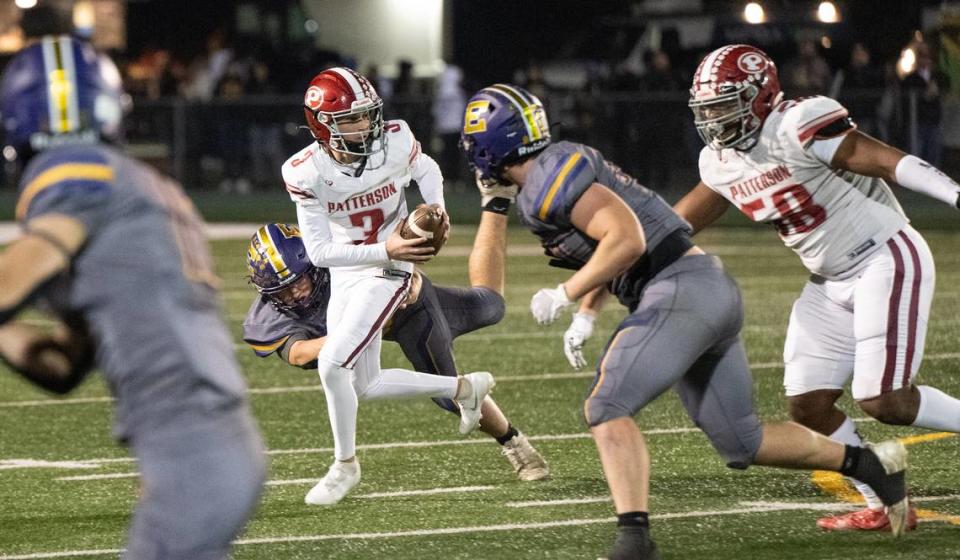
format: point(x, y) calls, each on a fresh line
point(796, 210)
point(370, 221)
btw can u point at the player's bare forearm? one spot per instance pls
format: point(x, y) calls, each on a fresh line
point(701, 207)
point(865, 155)
point(487, 264)
point(305, 351)
point(44, 250)
point(613, 256)
point(593, 302)
point(605, 217)
point(56, 362)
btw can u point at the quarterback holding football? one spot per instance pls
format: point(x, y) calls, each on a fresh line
point(349, 188)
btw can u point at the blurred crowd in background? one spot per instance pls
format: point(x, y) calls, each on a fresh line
point(227, 115)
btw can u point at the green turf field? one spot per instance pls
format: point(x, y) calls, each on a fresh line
point(470, 504)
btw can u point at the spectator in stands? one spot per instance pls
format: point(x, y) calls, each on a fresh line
point(657, 151)
point(265, 134)
point(449, 101)
point(923, 90)
point(859, 87)
point(809, 74)
point(231, 135)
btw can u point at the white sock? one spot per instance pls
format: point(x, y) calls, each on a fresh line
point(341, 407)
point(400, 383)
point(847, 434)
point(938, 410)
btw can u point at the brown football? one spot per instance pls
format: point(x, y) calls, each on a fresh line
point(425, 221)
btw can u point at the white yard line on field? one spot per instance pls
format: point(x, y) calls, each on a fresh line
point(308, 388)
point(748, 508)
point(389, 445)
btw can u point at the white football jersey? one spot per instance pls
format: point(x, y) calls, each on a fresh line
point(831, 218)
point(360, 210)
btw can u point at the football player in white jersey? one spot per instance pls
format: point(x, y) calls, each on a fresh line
point(349, 189)
point(802, 166)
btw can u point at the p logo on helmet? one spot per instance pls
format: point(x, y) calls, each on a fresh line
point(752, 63)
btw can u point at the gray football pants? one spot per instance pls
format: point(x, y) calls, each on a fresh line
point(201, 476)
point(684, 333)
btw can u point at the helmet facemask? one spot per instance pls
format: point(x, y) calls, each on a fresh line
point(283, 296)
point(361, 142)
point(727, 120)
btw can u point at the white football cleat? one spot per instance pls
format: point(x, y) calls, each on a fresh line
point(481, 383)
point(893, 456)
point(527, 462)
point(339, 480)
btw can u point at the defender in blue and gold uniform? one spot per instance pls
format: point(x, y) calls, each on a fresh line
point(117, 253)
point(685, 312)
point(289, 318)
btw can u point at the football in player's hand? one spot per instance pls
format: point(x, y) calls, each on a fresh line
point(429, 222)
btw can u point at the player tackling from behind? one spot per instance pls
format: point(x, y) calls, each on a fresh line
point(802, 166)
point(685, 313)
point(289, 319)
point(349, 190)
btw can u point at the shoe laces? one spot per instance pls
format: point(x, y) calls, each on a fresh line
point(517, 453)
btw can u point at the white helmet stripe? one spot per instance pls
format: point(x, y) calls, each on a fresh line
point(513, 96)
point(352, 80)
point(712, 61)
point(70, 73)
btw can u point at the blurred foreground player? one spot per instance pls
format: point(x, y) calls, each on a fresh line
point(685, 313)
point(116, 252)
point(289, 319)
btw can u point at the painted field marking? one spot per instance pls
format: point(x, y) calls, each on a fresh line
point(301, 388)
point(390, 445)
point(836, 485)
point(749, 508)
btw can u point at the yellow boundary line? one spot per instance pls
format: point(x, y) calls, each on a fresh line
point(837, 486)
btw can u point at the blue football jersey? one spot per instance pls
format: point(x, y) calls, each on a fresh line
point(560, 175)
point(143, 282)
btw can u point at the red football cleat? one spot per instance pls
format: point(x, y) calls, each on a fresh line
point(864, 520)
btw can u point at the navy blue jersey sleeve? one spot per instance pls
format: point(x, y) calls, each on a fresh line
point(267, 330)
point(558, 184)
point(77, 183)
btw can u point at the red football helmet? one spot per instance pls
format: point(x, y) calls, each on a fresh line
point(734, 89)
point(338, 96)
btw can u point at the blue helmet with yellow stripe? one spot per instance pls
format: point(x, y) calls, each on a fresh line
point(502, 123)
point(279, 267)
point(59, 91)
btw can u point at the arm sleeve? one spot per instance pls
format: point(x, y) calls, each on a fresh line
point(425, 171)
point(324, 252)
point(917, 175)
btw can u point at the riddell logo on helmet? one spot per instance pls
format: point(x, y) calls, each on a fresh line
point(751, 63)
point(538, 145)
point(313, 97)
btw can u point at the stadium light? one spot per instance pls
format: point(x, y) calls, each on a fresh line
point(753, 13)
point(25, 4)
point(907, 62)
point(84, 15)
point(827, 12)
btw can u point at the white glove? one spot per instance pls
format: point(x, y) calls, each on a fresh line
point(548, 303)
point(577, 334)
point(491, 188)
